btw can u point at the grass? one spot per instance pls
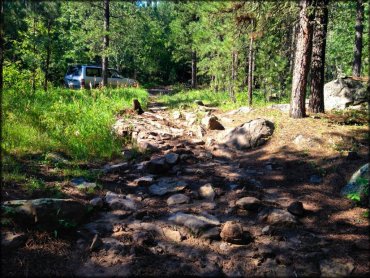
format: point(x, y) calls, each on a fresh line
point(186, 98)
point(74, 122)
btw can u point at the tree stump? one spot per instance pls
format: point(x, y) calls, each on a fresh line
point(137, 106)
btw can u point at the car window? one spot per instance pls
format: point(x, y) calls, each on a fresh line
point(93, 72)
point(77, 72)
point(114, 74)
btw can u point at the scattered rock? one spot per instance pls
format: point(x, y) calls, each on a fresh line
point(213, 233)
point(172, 235)
point(195, 223)
point(144, 181)
point(336, 268)
point(212, 123)
point(115, 167)
point(248, 203)
point(207, 191)
point(279, 217)
point(178, 199)
point(232, 232)
point(82, 184)
point(97, 202)
point(249, 135)
point(171, 158)
point(315, 179)
point(167, 186)
point(96, 243)
point(11, 241)
point(358, 184)
point(118, 201)
point(296, 208)
point(157, 166)
point(266, 230)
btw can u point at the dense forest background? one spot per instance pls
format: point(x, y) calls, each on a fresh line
point(158, 42)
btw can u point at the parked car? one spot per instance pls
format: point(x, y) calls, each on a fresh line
point(89, 77)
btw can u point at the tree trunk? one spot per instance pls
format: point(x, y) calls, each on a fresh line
point(250, 72)
point(47, 61)
point(316, 104)
point(356, 69)
point(34, 51)
point(194, 69)
point(302, 61)
point(105, 44)
point(292, 48)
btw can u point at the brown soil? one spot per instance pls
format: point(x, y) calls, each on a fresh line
point(333, 227)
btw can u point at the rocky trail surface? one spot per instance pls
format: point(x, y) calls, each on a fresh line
point(211, 197)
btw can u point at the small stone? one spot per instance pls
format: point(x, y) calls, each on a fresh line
point(157, 166)
point(296, 208)
point(279, 217)
point(172, 235)
point(212, 123)
point(207, 191)
point(233, 232)
point(336, 268)
point(315, 179)
point(266, 230)
point(166, 186)
point(96, 243)
point(144, 181)
point(248, 203)
point(177, 199)
point(97, 202)
point(115, 167)
point(176, 115)
point(196, 223)
point(171, 158)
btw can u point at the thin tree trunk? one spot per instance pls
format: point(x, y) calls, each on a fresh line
point(194, 69)
point(292, 48)
point(316, 104)
point(302, 61)
point(356, 69)
point(105, 43)
point(250, 72)
point(47, 61)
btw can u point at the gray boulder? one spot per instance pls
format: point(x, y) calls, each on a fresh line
point(196, 223)
point(344, 92)
point(358, 185)
point(249, 135)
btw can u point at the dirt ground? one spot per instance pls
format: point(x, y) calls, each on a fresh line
point(333, 230)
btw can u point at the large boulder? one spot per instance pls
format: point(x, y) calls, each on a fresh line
point(344, 92)
point(249, 135)
point(45, 211)
point(358, 186)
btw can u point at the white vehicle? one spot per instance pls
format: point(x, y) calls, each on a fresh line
point(89, 77)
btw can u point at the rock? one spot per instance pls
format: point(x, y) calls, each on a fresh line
point(248, 203)
point(115, 167)
point(147, 145)
point(96, 202)
point(195, 223)
point(249, 135)
point(128, 154)
point(296, 208)
point(167, 186)
point(279, 217)
point(56, 158)
point(213, 233)
point(144, 181)
point(96, 243)
point(143, 238)
point(178, 199)
point(82, 184)
point(315, 179)
point(266, 230)
point(118, 201)
point(232, 232)
point(11, 241)
point(336, 268)
point(343, 92)
point(171, 158)
point(269, 268)
point(358, 185)
point(212, 123)
point(207, 191)
point(243, 109)
point(172, 235)
point(157, 166)
point(45, 211)
point(176, 115)
point(283, 107)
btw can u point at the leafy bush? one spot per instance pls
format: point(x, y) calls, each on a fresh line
point(75, 122)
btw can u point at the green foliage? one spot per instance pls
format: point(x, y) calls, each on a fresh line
point(77, 123)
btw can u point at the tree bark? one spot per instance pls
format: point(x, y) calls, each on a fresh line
point(105, 43)
point(292, 48)
point(302, 61)
point(194, 69)
point(250, 72)
point(316, 103)
point(356, 69)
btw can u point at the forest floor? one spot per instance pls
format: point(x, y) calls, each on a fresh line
point(306, 160)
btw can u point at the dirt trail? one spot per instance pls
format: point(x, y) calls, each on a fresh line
point(170, 212)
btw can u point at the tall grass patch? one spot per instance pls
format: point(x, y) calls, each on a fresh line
point(75, 122)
